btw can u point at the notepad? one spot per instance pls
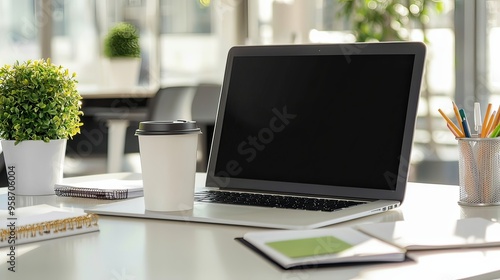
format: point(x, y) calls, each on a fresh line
point(42, 222)
point(101, 189)
point(293, 248)
point(376, 242)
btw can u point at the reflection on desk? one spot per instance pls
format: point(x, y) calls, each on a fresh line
point(132, 248)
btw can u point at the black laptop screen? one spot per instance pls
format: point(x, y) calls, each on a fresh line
point(323, 120)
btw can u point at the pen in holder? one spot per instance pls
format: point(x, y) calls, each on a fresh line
point(479, 171)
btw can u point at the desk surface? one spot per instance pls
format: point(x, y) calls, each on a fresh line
point(132, 248)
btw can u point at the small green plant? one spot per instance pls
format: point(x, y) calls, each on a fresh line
point(38, 101)
point(122, 41)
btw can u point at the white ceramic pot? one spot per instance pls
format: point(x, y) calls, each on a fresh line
point(123, 72)
point(34, 165)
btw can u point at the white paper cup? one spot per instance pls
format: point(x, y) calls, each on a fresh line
point(168, 162)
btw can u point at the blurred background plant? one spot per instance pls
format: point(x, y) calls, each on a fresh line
point(122, 41)
point(388, 20)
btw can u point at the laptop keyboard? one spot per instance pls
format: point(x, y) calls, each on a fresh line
point(275, 201)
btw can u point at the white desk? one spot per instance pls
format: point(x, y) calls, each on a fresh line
point(131, 248)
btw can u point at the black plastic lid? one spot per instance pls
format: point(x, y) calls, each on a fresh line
point(167, 127)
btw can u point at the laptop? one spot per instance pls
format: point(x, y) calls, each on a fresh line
point(317, 123)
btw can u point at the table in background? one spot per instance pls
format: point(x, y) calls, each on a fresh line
point(134, 248)
point(117, 107)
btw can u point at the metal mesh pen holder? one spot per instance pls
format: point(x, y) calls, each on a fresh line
point(479, 171)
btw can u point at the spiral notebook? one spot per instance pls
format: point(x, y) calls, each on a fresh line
point(42, 222)
point(101, 186)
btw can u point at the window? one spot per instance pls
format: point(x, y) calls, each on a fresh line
point(77, 28)
point(188, 42)
point(492, 23)
point(18, 31)
point(179, 40)
point(185, 17)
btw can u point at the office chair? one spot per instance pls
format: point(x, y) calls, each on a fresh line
point(172, 103)
point(206, 102)
point(204, 111)
point(191, 102)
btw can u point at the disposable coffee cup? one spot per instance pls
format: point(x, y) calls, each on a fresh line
point(168, 162)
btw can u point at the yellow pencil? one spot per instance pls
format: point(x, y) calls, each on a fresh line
point(486, 119)
point(457, 115)
point(452, 125)
point(491, 123)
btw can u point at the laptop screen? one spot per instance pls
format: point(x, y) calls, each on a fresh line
point(311, 119)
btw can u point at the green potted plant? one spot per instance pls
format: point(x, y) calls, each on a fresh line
point(123, 53)
point(40, 109)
